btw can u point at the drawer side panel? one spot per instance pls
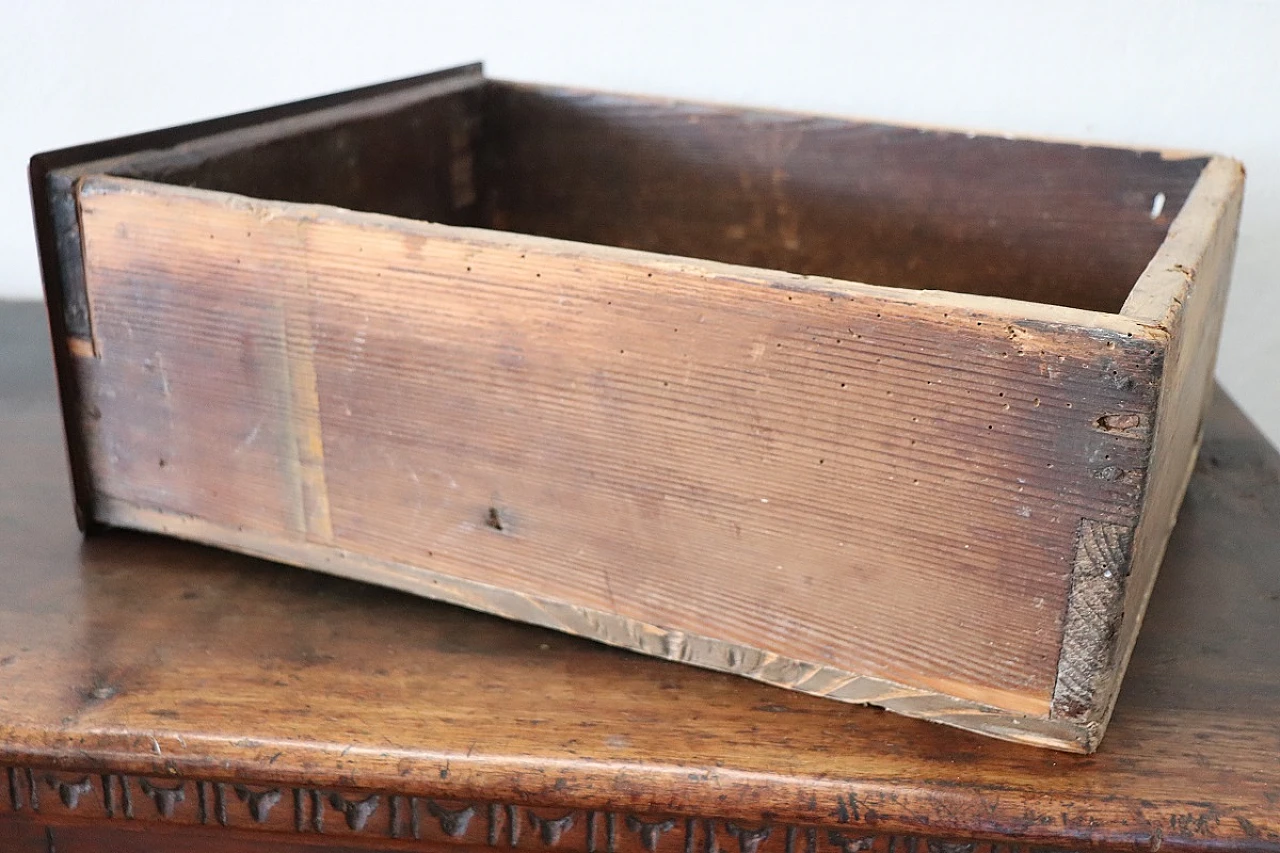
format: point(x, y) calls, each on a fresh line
point(866, 486)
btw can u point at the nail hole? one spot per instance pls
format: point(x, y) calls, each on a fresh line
point(493, 519)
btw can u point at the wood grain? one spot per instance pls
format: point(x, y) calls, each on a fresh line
point(1182, 295)
point(200, 815)
point(709, 451)
point(129, 654)
point(264, 151)
point(737, 467)
point(857, 200)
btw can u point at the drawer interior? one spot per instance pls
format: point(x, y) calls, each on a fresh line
point(894, 206)
point(1056, 223)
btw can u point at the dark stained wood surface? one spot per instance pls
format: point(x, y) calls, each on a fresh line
point(888, 205)
point(126, 653)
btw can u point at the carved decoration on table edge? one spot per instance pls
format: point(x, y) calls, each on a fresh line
point(550, 829)
point(260, 803)
point(166, 798)
point(453, 822)
point(357, 812)
point(650, 831)
point(111, 797)
point(69, 792)
point(749, 840)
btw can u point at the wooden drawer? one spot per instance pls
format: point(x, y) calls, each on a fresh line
point(893, 415)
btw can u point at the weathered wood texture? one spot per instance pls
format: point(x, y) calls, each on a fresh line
point(742, 460)
point(817, 483)
point(1062, 224)
point(334, 131)
point(205, 672)
point(1181, 297)
point(408, 152)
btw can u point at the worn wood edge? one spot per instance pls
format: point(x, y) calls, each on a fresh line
point(155, 162)
point(55, 212)
point(177, 134)
point(394, 819)
point(61, 168)
point(801, 115)
point(1160, 290)
point(1178, 398)
point(612, 629)
point(1111, 574)
point(1134, 612)
point(1095, 323)
point(403, 816)
point(1095, 607)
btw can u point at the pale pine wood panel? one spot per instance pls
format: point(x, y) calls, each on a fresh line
point(534, 382)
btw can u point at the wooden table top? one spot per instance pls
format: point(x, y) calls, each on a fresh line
point(179, 684)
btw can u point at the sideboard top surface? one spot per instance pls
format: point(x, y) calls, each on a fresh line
point(137, 654)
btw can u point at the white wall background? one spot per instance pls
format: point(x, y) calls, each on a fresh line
point(1201, 74)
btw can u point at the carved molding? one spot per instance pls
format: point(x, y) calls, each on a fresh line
point(59, 795)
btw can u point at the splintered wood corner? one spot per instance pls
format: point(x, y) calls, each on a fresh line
point(873, 495)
